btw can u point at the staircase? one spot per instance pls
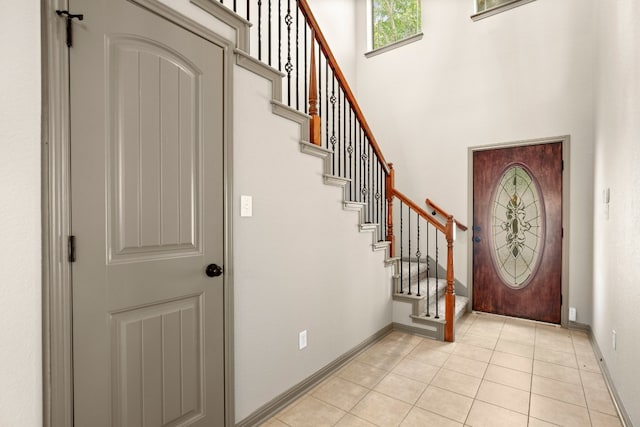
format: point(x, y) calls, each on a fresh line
point(309, 88)
point(414, 285)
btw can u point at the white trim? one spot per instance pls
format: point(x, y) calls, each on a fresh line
point(565, 140)
point(395, 45)
point(499, 9)
point(399, 43)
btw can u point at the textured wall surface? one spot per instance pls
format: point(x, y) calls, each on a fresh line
point(20, 268)
point(616, 293)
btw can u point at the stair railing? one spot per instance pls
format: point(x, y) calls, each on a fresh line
point(286, 36)
point(423, 237)
point(437, 210)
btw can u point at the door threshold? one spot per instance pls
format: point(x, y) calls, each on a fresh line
point(521, 319)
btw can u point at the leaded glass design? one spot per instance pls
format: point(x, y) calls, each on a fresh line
point(518, 226)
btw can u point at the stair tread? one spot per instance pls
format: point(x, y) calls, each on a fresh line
point(461, 303)
point(427, 282)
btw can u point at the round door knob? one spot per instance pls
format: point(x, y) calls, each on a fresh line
point(213, 270)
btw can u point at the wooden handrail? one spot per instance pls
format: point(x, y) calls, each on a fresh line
point(437, 209)
point(424, 214)
point(331, 60)
point(391, 192)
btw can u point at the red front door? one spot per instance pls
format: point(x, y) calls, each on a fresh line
point(517, 231)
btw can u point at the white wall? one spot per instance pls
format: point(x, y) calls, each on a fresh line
point(20, 267)
point(523, 74)
point(616, 294)
point(337, 20)
point(300, 261)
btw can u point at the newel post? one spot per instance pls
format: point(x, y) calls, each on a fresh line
point(450, 296)
point(314, 122)
point(390, 182)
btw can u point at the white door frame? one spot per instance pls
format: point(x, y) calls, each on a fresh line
point(56, 209)
point(565, 140)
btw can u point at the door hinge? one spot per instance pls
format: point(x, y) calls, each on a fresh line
point(69, 17)
point(563, 165)
point(71, 244)
point(560, 299)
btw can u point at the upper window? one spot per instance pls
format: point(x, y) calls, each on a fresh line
point(482, 5)
point(485, 8)
point(394, 21)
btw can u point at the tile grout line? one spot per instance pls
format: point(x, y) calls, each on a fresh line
point(541, 343)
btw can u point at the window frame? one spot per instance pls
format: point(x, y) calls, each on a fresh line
point(393, 45)
point(497, 9)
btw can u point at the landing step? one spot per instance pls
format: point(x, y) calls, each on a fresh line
point(460, 310)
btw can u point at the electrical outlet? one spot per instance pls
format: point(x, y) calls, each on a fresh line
point(572, 314)
point(302, 340)
point(613, 338)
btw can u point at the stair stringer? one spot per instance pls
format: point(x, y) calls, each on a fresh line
point(408, 311)
point(430, 327)
point(244, 60)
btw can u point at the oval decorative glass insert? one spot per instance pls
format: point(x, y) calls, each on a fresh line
point(517, 220)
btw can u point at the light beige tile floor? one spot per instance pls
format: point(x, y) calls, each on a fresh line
point(500, 372)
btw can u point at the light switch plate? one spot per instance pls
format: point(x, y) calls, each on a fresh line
point(246, 206)
point(302, 340)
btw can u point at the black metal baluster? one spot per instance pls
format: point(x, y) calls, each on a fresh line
point(269, 33)
point(363, 185)
point(360, 183)
point(326, 101)
point(418, 254)
point(377, 196)
point(248, 11)
point(260, 30)
point(369, 183)
point(306, 92)
point(297, 57)
point(288, 19)
point(234, 6)
point(350, 151)
point(401, 253)
point(428, 271)
point(373, 188)
point(437, 282)
point(380, 193)
point(409, 244)
point(357, 151)
point(383, 223)
point(363, 168)
point(279, 35)
point(344, 136)
point(338, 140)
point(354, 160)
point(333, 125)
point(363, 165)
